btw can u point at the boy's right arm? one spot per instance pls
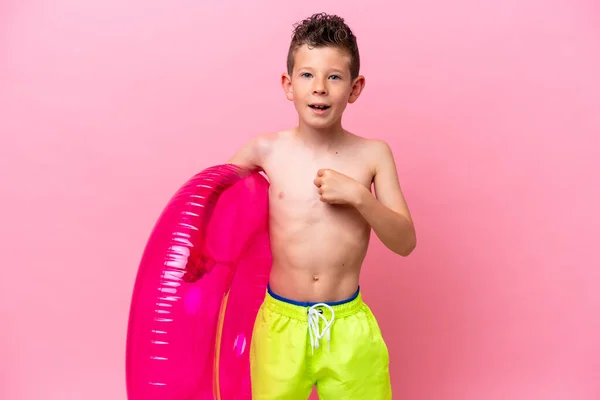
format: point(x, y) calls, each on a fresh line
point(253, 153)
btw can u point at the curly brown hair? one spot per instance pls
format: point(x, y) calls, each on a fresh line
point(321, 30)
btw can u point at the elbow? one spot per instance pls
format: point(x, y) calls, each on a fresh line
point(402, 240)
point(406, 251)
point(408, 245)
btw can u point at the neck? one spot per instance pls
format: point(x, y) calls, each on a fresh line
point(320, 138)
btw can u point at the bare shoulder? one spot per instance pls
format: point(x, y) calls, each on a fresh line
point(263, 143)
point(381, 158)
point(375, 151)
point(370, 144)
point(253, 153)
point(377, 148)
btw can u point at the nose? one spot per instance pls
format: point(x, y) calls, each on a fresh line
point(319, 87)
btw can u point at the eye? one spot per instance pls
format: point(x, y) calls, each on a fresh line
point(335, 77)
point(305, 75)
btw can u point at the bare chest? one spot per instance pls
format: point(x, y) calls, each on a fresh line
point(292, 176)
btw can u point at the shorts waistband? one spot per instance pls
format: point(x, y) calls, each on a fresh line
point(299, 310)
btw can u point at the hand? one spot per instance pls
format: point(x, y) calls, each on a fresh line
point(337, 188)
point(197, 266)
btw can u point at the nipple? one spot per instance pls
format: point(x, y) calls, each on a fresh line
point(315, 278)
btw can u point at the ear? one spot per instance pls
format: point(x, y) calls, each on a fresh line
point(357, 87)
point(286, 83)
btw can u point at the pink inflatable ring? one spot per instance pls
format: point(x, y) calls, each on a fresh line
point(201, 280)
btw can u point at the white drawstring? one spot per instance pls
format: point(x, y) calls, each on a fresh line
point(314, 314)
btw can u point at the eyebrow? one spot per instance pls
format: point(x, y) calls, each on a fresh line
point(339, 71)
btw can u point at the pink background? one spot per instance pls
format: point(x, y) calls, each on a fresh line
point(491, 108)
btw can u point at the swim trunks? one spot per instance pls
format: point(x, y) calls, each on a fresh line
point(337, 347)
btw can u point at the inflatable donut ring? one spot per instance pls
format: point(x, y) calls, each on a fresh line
point(200, 283)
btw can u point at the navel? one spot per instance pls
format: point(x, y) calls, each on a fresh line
point(315, 278)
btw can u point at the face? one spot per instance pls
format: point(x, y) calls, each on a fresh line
point(321, 85)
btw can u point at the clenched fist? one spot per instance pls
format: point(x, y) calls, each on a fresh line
point(337, 188)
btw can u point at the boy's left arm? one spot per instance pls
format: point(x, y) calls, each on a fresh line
point(387, 213)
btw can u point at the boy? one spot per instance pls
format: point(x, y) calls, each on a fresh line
point(313, 327)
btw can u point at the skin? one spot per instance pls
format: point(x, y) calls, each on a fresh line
point(320, 201)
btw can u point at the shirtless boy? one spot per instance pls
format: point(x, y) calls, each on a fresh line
point(313, 327)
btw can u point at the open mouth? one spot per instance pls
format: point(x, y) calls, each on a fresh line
point(319, 106)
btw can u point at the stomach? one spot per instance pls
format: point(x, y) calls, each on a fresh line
point(317, 256)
